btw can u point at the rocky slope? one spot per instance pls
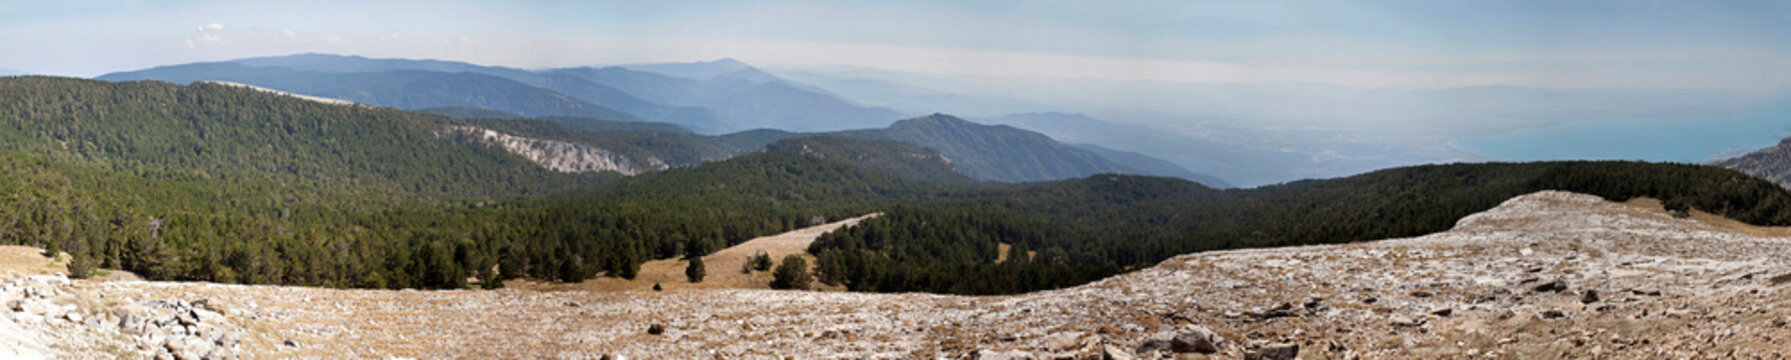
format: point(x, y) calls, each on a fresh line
point(1772, 164)
point(1544, 275)
point(558, 155)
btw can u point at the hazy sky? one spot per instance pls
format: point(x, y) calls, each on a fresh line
point(1737, 45)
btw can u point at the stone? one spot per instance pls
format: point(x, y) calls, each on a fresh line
point(1588, 297)
point(1062, 341)
point(1556, 285)
point(1109, 352)
point(208, 316)
point(1402, 320)
point(185, 317)
point(1152, 345)
point(1196, 339)
point(187, 348)
point(290, 343)
point(1274, 352)
point(1443, 311)
point(1552, 314)
point(1283, 310)
point(656, 329)
point(1156, 342)
point(1003, 355)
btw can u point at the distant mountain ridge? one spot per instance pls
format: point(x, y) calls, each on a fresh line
point(403, 89)
point(1146, 165)
point(713, 97)
point(939, 148)
point(998, 152)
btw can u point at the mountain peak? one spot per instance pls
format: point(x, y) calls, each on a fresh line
point(934, 120)
point(729, 62)
point(702, 70)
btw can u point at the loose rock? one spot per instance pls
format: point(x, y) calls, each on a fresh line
point(1275, 352)
point(1196, 339)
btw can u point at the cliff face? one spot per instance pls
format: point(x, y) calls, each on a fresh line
point(556, 155)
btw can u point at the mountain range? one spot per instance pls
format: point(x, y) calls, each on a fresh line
point(710, 97)
point(705, 97)
point(960, 148)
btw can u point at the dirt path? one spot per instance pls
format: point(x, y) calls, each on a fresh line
point(723, 266)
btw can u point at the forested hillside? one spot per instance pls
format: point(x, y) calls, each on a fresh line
point(1089, 228)
point(899, 159)
point(220, 183)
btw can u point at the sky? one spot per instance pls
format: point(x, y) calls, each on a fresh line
point(1639, 44)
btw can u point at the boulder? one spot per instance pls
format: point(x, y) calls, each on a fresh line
point(1588, 297)
point(656, 329)
point(1196, 339)
point(1274, 352)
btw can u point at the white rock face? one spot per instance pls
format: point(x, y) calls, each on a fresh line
point(277, 92)
point(559, 155)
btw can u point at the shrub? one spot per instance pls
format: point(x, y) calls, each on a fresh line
point(761, 261)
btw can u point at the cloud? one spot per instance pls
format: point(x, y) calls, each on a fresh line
point(211, 27)
point(195, 43)
point(288, 33)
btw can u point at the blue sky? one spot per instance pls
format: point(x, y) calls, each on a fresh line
point(1735, 45)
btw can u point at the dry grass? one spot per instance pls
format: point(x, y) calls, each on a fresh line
point(30, 261)
point(1713, 220)
point(722, 267)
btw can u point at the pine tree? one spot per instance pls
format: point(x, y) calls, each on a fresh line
point(793, 274)
point(79, 266)
point(53, 249)
point(695, 272)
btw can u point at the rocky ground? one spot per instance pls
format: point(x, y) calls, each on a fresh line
point(1546, 275)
